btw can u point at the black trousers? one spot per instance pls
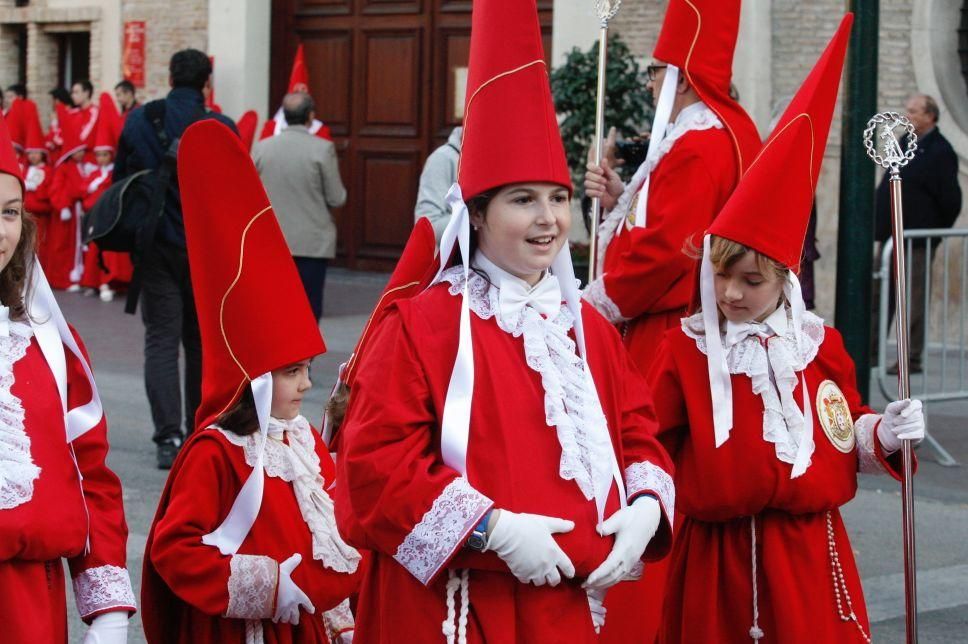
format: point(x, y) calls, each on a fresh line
point(917, 263)
point(171, 323)
point(312, 272)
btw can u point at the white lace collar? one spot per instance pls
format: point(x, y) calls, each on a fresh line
point(784, 354)
point(697, 116)
point(298, 463)
point(570, 407)
point(17, 468)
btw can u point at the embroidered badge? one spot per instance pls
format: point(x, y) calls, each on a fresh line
point(835, 416)
point(630, 218)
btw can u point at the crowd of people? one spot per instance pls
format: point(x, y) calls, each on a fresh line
point(497, 462)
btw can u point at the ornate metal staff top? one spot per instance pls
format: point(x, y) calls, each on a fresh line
point(890, 156)
point(606, 10)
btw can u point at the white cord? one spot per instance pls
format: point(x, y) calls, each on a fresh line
point(253, 632)
point(457, 584)
point(756, 633)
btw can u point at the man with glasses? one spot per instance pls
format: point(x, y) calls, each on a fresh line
point(701, 142)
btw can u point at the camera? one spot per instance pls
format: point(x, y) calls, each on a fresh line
point(632, 152)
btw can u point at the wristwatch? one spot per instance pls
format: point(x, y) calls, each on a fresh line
point(478, 539)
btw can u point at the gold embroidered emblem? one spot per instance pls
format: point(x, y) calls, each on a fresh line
point(630, 218)
point(835, 416)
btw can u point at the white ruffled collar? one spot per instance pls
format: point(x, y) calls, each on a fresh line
point(570, 407)
point(17, 468)
point(785, 354)
point(297, 462)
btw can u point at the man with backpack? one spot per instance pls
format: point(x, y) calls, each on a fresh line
point(149, 142)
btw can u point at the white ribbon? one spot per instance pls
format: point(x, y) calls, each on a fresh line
point(228, 537)
point(514, 295)
point(4, 321)
point(660, 125)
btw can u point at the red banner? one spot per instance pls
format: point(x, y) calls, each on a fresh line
point(133, 52)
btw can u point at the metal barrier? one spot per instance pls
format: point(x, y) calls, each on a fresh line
point(943, 344)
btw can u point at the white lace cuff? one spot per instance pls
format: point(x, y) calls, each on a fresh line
point(647, 477)
point(338, 619)
point(442, 530)
point(253, 580)
point(103, 588)
point(595, 295)
point(865, 429)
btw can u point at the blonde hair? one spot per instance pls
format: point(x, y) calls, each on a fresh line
point(723, 253)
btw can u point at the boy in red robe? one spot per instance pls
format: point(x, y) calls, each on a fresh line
point(244, 546)
point(65, 261)
point(757, 402)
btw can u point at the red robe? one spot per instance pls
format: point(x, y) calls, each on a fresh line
point(397, 497)
point(710, 590)
point(38, 180)
point(46, 512)
point(117, 268)
point(64, 259)
point(85, 118)
point(185, 584)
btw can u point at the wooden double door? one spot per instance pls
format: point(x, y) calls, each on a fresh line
point(388, 77)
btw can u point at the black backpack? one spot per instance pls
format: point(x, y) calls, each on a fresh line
point(126, 217)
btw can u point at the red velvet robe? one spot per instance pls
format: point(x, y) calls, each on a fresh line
point(709, 592)
point(397, 497)
point(60, 514)
point(37, 203)
point(117, 268)
point(185, 582)
point(63, 249)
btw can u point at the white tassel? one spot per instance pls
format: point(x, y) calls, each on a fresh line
point(756, 633)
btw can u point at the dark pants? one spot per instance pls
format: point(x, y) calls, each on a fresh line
point(917, 266)
point(312, 272)
point(168, 312)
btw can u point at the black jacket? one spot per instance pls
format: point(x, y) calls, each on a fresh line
point(932, 197)
point(139, 149)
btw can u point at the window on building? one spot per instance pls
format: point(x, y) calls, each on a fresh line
point(963, 41)
point(73, 57)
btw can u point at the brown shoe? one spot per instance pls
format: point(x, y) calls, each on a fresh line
point(914, 368)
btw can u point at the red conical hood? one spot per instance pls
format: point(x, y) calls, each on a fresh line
point(252, 310)
point(108, 124)
point(699, 37)
point(246, 125)
point(416, 268)
point(17, 125)
point(8, 157)
point(70, 128)
point(34, 138)
point(510, 129)
point(770, 208)
point(299, 76)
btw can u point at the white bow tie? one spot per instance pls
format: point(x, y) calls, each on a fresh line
point(736, 332)
point(4, 321)
point(514, 296)
point(278, 427)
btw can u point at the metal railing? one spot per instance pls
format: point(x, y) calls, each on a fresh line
point(943, 346)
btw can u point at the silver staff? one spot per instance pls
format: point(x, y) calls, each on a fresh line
point(887, 153)
point(606, 10)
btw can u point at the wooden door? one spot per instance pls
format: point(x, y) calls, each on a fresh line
point(388, 78)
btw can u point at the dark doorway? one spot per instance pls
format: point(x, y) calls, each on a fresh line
point(73, 57)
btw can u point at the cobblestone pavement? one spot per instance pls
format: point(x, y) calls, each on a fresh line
point(873, 518)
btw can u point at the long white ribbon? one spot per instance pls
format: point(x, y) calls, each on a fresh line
point(228, 537)
point(660, 126)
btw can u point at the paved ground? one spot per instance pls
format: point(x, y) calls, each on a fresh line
point(115, 343)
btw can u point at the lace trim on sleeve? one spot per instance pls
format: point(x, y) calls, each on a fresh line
point(339, 619)
point(252, 587)
point(103, 588)
point(442, 529)
point(865, 429)
point(17, 468)
point(649, 477)
point(595, 295)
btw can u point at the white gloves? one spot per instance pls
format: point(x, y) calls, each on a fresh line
point(290, 597)
point(596, 604)
point(66, 214)
point(633, 527)
point(346, 637)
point(902, 420)
point(108, 628)
point(525, 544)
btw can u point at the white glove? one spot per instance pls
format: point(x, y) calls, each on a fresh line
point(108, 628)
point(902, 420)
point(596, 604)
point(525, 544)
point(66, 214)
point(290, 597)
point(633, 527)
point(346, 637)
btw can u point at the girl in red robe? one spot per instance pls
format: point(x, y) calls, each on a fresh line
point(65, 261)
point(496, 453)
point(58, 499)
point(244, 546)
point(757, 402)
point(37, 180)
